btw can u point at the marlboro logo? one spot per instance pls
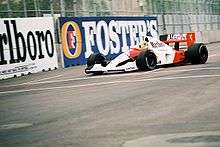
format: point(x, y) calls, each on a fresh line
point(22, 46)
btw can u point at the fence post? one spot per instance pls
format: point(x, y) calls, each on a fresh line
point(36, 8)
point(164, 24)
point(197, 15)
point(190, 21)
point(74, 7)
point(51, 8)
point(9, 8)
point(94, 7)
point(83, 7)
point(163, 17)
point(25, 8)
point(111, 9)
point(62, 7)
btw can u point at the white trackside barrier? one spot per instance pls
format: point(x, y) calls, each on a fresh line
point(26, 46)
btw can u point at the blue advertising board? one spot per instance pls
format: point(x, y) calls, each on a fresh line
point(82, 36)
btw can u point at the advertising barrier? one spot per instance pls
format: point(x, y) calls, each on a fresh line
point(26, 46)
point(82, 36)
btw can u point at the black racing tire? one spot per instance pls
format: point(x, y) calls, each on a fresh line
point(96, 58)
point(147, 60)
point(197, 53)
point(98, 72)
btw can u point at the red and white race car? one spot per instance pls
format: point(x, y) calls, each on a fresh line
point(171, 49)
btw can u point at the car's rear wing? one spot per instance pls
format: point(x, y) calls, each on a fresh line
point(188, 38)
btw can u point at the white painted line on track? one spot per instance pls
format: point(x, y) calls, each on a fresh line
point(160, 70)
point(31, 82)
point(81, 78)
point(192, 69)
point(108, 83)
point(48, 78)
point(214, 55)
point(193, 139)
point(15, 126)
point(124, 75)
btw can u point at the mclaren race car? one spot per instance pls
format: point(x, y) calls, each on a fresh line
point(173, 49)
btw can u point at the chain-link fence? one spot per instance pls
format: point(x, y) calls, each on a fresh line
point(173, 15)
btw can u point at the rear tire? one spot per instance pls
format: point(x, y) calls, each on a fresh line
point(146, 61)
point(198, 53)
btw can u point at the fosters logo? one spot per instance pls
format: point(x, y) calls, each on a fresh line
point(71, 40)
point(82, 36)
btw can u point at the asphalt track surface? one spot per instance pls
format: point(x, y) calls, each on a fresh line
point(68, 108)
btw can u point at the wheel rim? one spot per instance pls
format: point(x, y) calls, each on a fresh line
point(203, 54)
point(150, 60)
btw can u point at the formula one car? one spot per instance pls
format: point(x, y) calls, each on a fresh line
point(173, 49)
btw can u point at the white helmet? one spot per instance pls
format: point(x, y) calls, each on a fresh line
point(143, 45)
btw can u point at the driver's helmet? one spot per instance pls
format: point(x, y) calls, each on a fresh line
point(144, 44)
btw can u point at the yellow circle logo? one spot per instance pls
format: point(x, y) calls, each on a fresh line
point(71, 40)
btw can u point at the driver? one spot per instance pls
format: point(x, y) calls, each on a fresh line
point(145, 45)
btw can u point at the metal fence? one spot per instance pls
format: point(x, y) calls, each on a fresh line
point(173, 15)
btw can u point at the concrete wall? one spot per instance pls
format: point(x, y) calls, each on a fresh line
point(207, 27)
point(210, 36)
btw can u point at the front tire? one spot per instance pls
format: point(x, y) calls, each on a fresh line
point(93, 59)
point(198, 53)
point(146, 61)
point(96, 58)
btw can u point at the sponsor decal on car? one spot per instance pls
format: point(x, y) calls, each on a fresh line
point(157, 44)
